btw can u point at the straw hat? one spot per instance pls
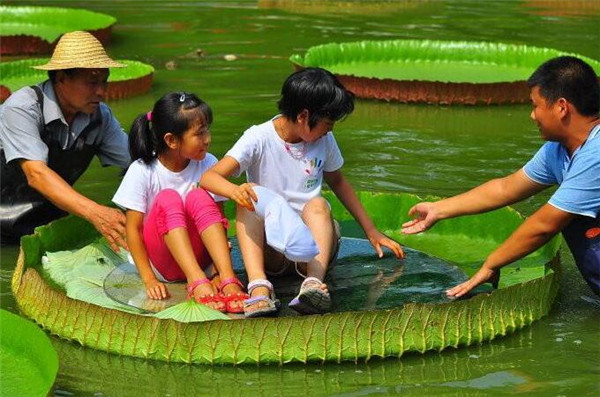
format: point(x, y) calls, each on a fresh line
point(79, 50)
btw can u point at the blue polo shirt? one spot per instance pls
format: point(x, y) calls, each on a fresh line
point(578, 176)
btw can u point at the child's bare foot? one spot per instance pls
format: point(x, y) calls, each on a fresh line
point(235, 296)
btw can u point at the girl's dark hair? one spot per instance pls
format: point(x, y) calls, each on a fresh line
point(570, 78)
point(174, 112)
point(318, 91)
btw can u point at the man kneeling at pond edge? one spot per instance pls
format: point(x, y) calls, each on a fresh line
point(565, 96)
point(49, 134)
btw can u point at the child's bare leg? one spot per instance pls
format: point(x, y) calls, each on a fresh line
point(178, 242)
point(250, 234)
point(214, 238)
point(317, 216)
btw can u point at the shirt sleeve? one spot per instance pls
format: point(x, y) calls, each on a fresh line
point(114, 147)
point(133, 191)
point(334, 160)
point(246, 150)
point(579, 192)
point(20, 133)
point(539, 168)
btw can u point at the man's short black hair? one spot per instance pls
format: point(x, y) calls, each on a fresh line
point(318, 91)
point(570, 78)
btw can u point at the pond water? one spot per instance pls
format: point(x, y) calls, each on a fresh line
point(387, 147)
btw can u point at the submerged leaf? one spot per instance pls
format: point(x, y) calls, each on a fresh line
point(191, 312)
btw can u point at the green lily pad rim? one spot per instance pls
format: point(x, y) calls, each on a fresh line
point(22, 69)
point(51, 21)
point(415, 51)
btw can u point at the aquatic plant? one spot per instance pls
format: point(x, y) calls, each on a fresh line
point(445, 72)
point(527, 291)
point(132, 80)
point(35, 30)
point(29, 362)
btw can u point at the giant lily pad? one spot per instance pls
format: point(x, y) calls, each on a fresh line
point(35, 30)
point(447, 72)
point(29, 362)
point(527, 291)
point(132, 80)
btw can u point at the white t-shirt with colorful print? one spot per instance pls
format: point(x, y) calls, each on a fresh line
point(294, 171)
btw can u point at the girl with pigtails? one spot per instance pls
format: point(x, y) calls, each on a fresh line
point(175, 230)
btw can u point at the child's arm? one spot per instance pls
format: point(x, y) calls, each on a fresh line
point(154, 288)
point(344, 191)
point(215, 180)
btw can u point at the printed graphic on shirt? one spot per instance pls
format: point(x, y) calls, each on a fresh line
point(313, 169)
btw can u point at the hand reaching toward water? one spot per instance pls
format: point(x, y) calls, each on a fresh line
point(425, 216)
point(483, 275)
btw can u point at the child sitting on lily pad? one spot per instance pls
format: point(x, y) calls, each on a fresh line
point(175, 230)
point(292, 154)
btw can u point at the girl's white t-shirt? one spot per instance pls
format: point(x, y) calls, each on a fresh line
point(143, 182)
point(294, 172)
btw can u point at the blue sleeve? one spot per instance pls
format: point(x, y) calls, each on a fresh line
point(579, 192)
point(539, 169)
point(114, 147)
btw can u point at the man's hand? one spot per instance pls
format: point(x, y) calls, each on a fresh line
point(243, 195)
point(483, 275)
point(110, 222)
point(425, 215)
point(378, 239)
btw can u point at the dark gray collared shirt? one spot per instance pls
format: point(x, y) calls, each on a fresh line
point(21, 122)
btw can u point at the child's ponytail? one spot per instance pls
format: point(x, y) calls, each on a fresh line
point(142, 143)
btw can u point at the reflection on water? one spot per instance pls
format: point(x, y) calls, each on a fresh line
point(561, 8)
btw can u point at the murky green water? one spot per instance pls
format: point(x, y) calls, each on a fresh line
point(387, 147)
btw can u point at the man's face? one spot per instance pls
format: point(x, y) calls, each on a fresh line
point(545, 115)
point(83, 90)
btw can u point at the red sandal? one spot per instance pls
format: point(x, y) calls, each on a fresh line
point(238, 296)
point(206, 298)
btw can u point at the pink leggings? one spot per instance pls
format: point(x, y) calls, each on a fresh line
point(169, 212)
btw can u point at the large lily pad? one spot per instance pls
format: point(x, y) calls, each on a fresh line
point(526, 294)
point(28, 360)
point(35, 30)
point(432, 71)
point(132, 80)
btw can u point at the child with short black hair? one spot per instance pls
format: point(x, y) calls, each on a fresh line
point(291, 154)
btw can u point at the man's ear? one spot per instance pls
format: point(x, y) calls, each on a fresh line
point(171, 140)
point(563, 106)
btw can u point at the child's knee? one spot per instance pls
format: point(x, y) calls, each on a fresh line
point(168, 198)
point(199, 198)
point(316, 206)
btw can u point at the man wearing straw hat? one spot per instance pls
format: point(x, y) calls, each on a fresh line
point(49, 134)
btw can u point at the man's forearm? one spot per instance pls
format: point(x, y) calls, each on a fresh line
point(49, 184)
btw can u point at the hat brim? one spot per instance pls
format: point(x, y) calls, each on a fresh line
point(76, 65)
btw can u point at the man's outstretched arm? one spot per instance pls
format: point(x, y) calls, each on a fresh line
point(491, 195)
point(110, 222)
point(536, 231)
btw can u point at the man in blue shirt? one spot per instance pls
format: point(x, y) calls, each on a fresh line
point(565, 96)
point(50, 132)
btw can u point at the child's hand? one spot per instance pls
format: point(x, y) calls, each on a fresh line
point(243, 195)
point(156, 290)
point(378, 239)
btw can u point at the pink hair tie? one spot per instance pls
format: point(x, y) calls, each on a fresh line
point(149, 116)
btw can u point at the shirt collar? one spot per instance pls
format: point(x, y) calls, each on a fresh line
point(52, 110)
